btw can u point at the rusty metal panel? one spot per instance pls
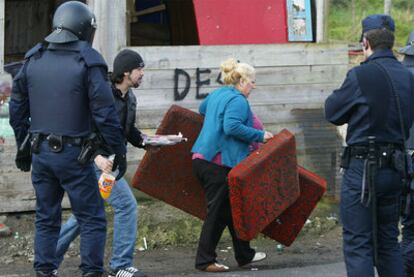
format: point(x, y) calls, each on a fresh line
point(261, 21)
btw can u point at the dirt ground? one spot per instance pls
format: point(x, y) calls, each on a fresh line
point(171, 239)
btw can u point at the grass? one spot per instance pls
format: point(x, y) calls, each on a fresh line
point(164, 226)
point(343, 27)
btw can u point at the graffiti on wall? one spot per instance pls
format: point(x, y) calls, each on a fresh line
point(202, 79)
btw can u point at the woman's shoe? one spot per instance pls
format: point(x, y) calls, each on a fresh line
point(259, 256)
point(216, 267)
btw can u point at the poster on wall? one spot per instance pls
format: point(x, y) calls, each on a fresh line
point(299, 20)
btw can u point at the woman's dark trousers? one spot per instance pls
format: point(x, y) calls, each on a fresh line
point(214, 181)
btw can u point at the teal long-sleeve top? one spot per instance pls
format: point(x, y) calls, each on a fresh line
point(227, 127)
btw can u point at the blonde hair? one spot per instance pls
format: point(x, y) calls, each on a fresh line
point(232, 71)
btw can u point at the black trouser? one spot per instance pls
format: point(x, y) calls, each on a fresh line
point(214, 180)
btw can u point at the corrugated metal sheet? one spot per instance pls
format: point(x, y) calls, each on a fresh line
point(241, 22)
point(27, 22)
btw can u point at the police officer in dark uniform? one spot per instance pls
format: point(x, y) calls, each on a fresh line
point(372, 183)
point(128, 71)
point(408, 61)
point(407, 243)
point(60, 90)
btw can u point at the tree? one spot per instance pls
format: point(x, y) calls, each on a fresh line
point(387, 6)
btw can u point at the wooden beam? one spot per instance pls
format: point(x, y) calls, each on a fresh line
point(154, 9)
point(2, 31)
point(321, 20)
point(111, 35)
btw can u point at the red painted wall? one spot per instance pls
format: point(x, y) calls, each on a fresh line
point(241, 21)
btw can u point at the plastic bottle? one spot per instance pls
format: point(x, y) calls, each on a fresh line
point(279, 248)
point(106, 182)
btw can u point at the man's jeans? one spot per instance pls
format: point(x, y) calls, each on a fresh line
point(124, 204)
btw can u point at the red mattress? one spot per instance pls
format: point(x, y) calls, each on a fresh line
point(287, 226)
point(167, 176)
point(264, 185)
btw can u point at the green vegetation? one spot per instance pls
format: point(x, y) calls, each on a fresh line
point(163, 225)
point(344, 22)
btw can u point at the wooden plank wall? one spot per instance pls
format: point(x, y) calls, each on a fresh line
point(293, 81)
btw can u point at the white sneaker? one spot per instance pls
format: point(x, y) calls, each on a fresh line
point(127, 272)
point(259, 256)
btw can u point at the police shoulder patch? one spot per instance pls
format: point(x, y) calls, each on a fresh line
point(92, 58)
point(36, 49)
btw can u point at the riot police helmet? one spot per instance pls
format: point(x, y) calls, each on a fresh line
point(409, 48)
point(72, 21)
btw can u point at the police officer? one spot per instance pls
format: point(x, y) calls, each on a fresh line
point(408, 52)
point(372, 183)
point(59, 91)
point(408, 61)
point(128, 71)
point(407, 243)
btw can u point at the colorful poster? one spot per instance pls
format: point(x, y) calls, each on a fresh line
point(299, 20)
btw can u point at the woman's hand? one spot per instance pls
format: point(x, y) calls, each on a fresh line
point(267, 136)
point(104, 164)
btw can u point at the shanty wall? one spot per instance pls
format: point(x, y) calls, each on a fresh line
point(293, 81)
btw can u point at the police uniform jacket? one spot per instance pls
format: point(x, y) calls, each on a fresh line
point(373, 113)
point(408, 61)
point(62, 89)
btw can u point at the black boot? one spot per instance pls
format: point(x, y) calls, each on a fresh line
point(52, 273)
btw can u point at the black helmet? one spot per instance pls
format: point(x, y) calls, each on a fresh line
point(409, 49)
point(72, 21)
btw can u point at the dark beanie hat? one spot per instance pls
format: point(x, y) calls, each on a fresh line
point(126, 61)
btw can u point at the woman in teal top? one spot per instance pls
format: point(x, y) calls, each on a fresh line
point(222, 143)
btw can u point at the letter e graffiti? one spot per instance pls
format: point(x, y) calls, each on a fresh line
point(178, 96)
point(201, 83)
point(218, 80)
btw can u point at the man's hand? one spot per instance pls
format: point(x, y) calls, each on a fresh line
point(104, 164)
point(120, 163)
point(24, 160)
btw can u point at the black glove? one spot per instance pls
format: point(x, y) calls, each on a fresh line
point(120, 162)
point(23, 160)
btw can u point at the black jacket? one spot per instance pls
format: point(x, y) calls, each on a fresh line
point(409, 63)
point(49, 102)
point(126, 108)
point(363, 111)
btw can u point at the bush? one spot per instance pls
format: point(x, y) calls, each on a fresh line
point(344, 27)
